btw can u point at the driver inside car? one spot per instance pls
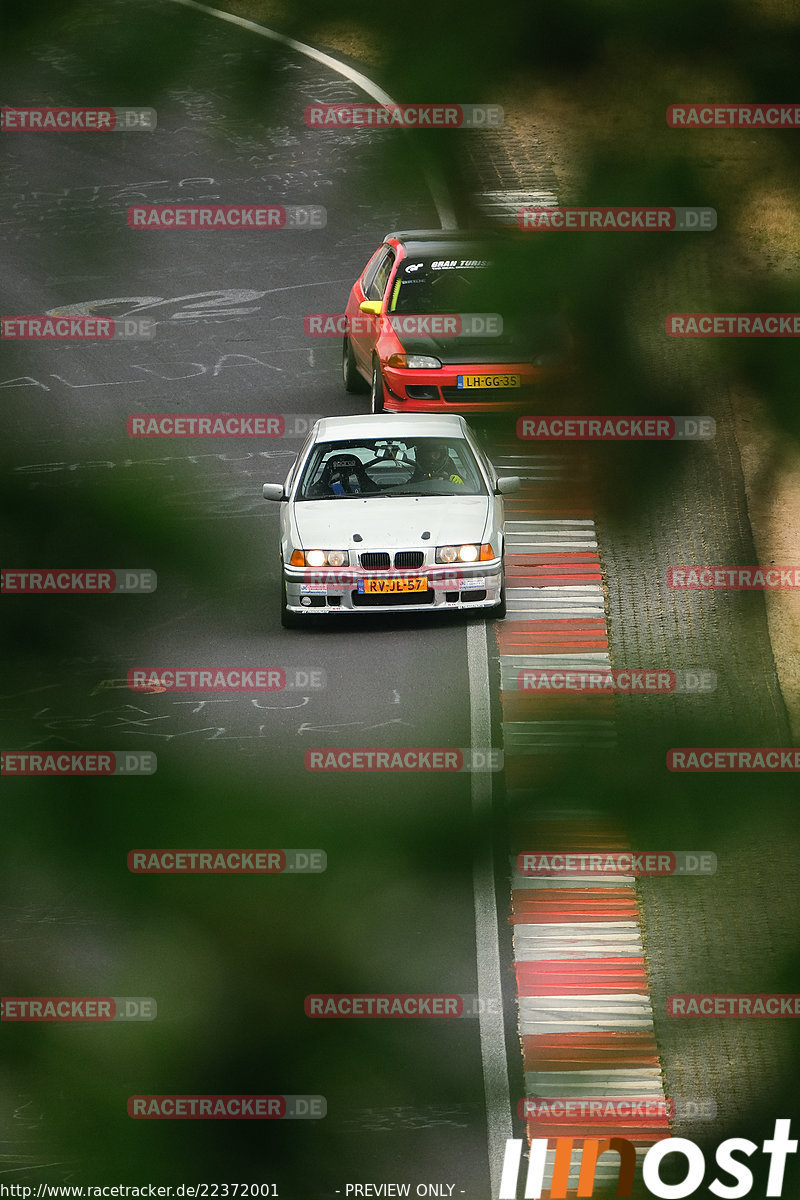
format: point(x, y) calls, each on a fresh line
point(433, 461)
point(343, 475)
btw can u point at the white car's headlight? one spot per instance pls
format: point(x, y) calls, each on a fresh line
point(320, 558)
point(470, 552)
point(415, 361)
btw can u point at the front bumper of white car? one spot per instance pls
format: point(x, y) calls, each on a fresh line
point(320, 591)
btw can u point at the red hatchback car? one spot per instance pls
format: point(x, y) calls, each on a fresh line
point(426, 334)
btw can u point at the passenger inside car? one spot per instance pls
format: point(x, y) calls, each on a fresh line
point(343, 475)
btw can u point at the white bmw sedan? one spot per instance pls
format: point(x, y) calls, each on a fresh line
point(390, 513)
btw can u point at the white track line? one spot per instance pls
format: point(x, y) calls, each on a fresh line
point(492, 1032)
point(435, 184)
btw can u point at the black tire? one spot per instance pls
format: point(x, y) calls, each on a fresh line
point(499, 611)
point(289, 620)
point(352, 378)
point(376, 391)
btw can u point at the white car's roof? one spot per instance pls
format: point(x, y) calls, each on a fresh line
point(390, 425)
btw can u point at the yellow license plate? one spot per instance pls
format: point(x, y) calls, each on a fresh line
point(396, 585)
point(489, 381)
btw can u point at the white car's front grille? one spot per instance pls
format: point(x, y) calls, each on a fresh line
point(381, 560)
point(409, 559)
point(375, 560)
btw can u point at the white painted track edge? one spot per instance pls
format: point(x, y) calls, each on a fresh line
point(492, 1030)
point(436, 184)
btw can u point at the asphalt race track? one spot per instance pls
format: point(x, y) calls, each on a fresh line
point(394, 910)
point(418, 895)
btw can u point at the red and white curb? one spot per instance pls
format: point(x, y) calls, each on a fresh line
point(556, 614)
point(585, 1016)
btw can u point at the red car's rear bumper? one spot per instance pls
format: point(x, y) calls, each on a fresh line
point(438, 390)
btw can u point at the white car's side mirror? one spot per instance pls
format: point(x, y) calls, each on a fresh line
point(506, 484)
point(273, 491)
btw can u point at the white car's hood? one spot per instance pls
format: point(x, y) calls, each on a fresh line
point(388, 522)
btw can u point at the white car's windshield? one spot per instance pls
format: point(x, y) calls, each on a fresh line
point(418, 466)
